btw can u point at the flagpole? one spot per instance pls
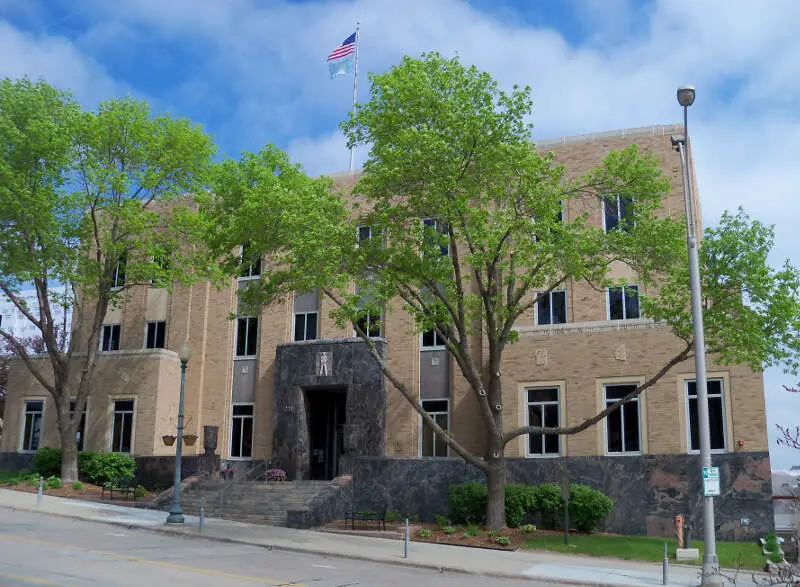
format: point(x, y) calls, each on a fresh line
point(355, 91)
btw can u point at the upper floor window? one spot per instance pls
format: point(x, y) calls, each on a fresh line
point(246, 336)
point(156, 335)
point(623, 424)
point(552, 308)
point(623, 302)
point(431, 224)
point(110, 338)
point(716, 414)
point(432, 340)
point(306, 315)
point(617, 213)
point(251, 266)
point(366, 234)
point(543, 411)
point(370, 324)
point(118, 278)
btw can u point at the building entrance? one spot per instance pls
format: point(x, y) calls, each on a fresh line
point(326, 420)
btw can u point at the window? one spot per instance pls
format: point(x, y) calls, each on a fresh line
point(622, 425)
point(552, 308)
point(161, 261)
point(80, 434)
point(432, 444)
point(118, 279)
point(617, 213)
point(716, 414)
point(432, 340)
point(246, 337)
point(250, 267)
point(560, 214)
point(122, 426)
point(623, 302)
point(242, 431)
point(543, 411)
point(370, 324)
point(156, 332)
point(32, 427)
point(110, 340)
point(305, 326)
point(442, 229)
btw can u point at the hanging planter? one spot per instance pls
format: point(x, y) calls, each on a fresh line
point(169, 439)
point(189, 439)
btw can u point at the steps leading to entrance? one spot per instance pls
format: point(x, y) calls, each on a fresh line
point(256, 502)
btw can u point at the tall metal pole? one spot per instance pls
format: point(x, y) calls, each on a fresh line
point(355, 90)
point(176, 511)
point(710, 559)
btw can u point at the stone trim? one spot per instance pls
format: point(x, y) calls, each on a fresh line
point(584, 327)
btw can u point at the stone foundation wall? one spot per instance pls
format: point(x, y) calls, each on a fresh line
point(648, 491)
point(14, 461)
point(159, 472)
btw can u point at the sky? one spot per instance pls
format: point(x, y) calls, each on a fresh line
point(253, 72)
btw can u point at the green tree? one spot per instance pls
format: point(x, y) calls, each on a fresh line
point(447, 145)
point(94, 201)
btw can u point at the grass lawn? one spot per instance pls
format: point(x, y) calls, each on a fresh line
point(646, 548)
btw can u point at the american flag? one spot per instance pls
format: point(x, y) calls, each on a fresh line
point(347, 47)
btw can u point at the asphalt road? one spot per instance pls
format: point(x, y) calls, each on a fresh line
point(37, 549)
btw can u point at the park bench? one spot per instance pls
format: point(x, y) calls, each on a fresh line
point(122, 485)
point(367, 513)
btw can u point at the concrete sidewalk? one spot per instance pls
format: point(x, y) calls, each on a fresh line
point(542, 566)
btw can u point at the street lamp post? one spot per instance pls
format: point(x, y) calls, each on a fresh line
point(176, 511)
point(710, 575)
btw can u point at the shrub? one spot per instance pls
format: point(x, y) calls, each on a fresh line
point(392, 515)
point(472, 530)
point(776, 557)
point(550, 504)
point(54, 482)
point(527, 528)
point(106, 466)
point(467, 502)
point(14, 481)
point(520, 499)
point(492, 533)
point(85, 459)
point(48, 461)
point(424, 533)
point(77, 486)
point(449, 530)
point(441, 521)
point(32, 479)
point(588, 506)
point(140, 491)
point(503, 540)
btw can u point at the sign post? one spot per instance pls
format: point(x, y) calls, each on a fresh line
point(565, 497)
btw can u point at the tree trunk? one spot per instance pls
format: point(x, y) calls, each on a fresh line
point(69, 453)
point(496, 485)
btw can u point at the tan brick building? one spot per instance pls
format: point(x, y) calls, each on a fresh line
point(575, 352)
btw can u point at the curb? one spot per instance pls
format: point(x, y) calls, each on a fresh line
point(399, 562)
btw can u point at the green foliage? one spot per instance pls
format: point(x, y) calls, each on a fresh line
point(442, 521)
point(491, 533)
point(775, 557)
point(32, 480)
point(550, 504)
point(107, 466)
point(771, 543)
point(140, 491)
point(14, 481)
point(472, 530)
point(467, 502)
point(392, 515)
point(424, 533)
point(587, 507)
point(53, 482)
point(520, 500)
point(449, 530)
point(503, 540)
point(47, 461)
point(77, 486)
point(527, 528)
point(85, 459)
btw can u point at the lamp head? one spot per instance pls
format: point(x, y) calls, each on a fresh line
point(686, 95)
point(185, 353)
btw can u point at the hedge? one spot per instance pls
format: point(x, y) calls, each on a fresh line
point(96, 467)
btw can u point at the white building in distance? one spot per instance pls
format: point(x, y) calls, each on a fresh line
point(13, 321)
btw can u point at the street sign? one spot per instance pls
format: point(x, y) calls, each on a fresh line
point(711, 485)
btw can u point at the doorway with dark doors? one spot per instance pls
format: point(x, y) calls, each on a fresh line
point(327, 410)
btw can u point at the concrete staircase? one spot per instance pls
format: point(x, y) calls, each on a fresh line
point(256, 502)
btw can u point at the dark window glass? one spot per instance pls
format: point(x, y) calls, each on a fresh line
point(251, 263)
point(543, 412)
point(364, 234)
point(631, 302)
point(80, 433)
point(246, 337)
point(543, 310)
point(110, 340)
point(611, 212)
point(430, 338)
point(242, 431)
point(441, 228)
point(623, 303)
point(618, 213)
point(622, 425)
point(305, 326)
point(616, 309)
point(371, 325)
point(716, 415)
point(311, 326)
point(552, 308)
point(32, 432)
point(432, 445)
point(122, 427)
point(156, 334)
point(118, 279)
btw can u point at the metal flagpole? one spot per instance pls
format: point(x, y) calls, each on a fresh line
point(355, 92)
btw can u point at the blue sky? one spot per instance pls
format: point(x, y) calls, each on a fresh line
point(254, 71)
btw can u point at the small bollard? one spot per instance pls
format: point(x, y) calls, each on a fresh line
point(202, 511)
point(665, 570)
point(406, 541)
point(39, 493)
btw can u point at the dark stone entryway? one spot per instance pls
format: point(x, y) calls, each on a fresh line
point(330, 406)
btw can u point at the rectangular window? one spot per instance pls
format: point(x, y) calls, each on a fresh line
point(80, 433)
point(251, 265)
point(371, 325)
point(432, 226)
point(118, 279)
point(543, 411)
point(622, 425)
point(242, 431)
point(716, 414)
point(161, 261)
point(432, 340)
point(432, 444)
point(122, 426)
point(617, 213)
point(552, 308)
point(110, 340)
point(305, 326)
point(32, 426)
point(156, 333)
point(246, 337)
point(623, 302)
